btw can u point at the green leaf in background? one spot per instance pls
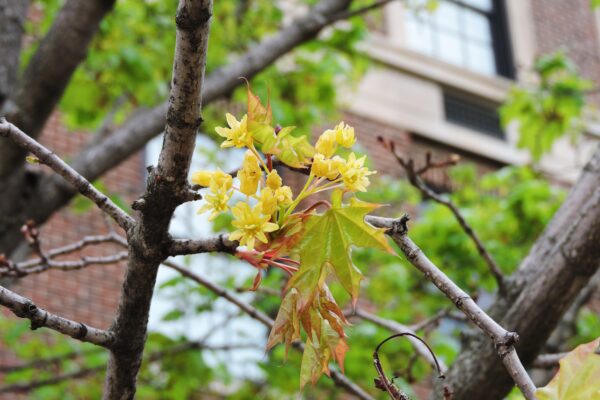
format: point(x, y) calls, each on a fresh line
point(552, 109)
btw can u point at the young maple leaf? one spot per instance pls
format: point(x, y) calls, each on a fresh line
point(578, 376)
point(327, 244)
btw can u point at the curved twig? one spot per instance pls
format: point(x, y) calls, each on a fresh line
point(383, 382)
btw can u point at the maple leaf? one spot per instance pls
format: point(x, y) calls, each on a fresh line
point(578, 376)
point(258, 114)
point(294, 151)
point(287, 324)
point(327, 244)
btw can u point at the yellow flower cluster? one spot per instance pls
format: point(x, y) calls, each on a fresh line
point(220, 184)
point(351, 171)
point(237, 134)
point(272, 201)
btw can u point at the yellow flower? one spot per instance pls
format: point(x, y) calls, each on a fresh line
point(324, 168)
point(326, 144)
point(220, 180)
point(217, 202)
point(201, 178)
point(251, 225)
point(344, 135)
point(249, 175)
point(268, 201)
point(273, 180)
point(237, 134)
point(284, 195)
point(354, 173)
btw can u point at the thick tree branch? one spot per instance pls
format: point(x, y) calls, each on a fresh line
point(560, 264)
point(24, 308)
point(166, 189)
point(503, 340)
point(49, 71)
point(396, 327)
point(50, 159)
point(12, 21)
point(339, 379)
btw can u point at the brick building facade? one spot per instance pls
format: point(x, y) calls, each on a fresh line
point(408, 97)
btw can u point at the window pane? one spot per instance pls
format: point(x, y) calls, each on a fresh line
point(485, 5)
point(419, 36)
point(477, 26)
point(447, 16)
point(481, 58)
point(450, 49)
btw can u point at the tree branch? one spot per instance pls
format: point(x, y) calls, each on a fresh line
point(220, 243)
point(548, 360)
point(559, 265)
point(166, 188)
point(12, 21)
point(84, 372)
point(338, 378)
point(503, 340)
point(84, 187)
point(41, 264)
point(24, 308)
point(414, 177)
point(396, 327)
point(49, 71)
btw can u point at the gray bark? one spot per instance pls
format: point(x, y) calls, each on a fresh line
point(12, 19)
point(558, 267)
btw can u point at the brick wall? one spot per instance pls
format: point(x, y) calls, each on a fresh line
point(572, 26)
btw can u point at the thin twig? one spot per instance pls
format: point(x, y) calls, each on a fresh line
point(359, 11)
point(22, 307)
point(50, 159)
point(396, 327)
point(414, 177)
point(40, 363)
point(503, 340)
point(22, 387)
point(46, 262)
point(545, 361)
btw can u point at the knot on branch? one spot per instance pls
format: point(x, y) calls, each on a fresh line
point(189, 20)
point(38, 324)
point(81, 332)
point(510, 339)
point(175, 121)
point(399, 226)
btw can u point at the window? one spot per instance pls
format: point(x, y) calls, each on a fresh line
point(473, 114)
point(469, 33)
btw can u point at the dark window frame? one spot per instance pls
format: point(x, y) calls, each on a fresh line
point(501, 43)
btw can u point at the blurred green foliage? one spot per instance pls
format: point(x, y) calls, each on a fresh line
point(130, 61)
point(552, 108)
